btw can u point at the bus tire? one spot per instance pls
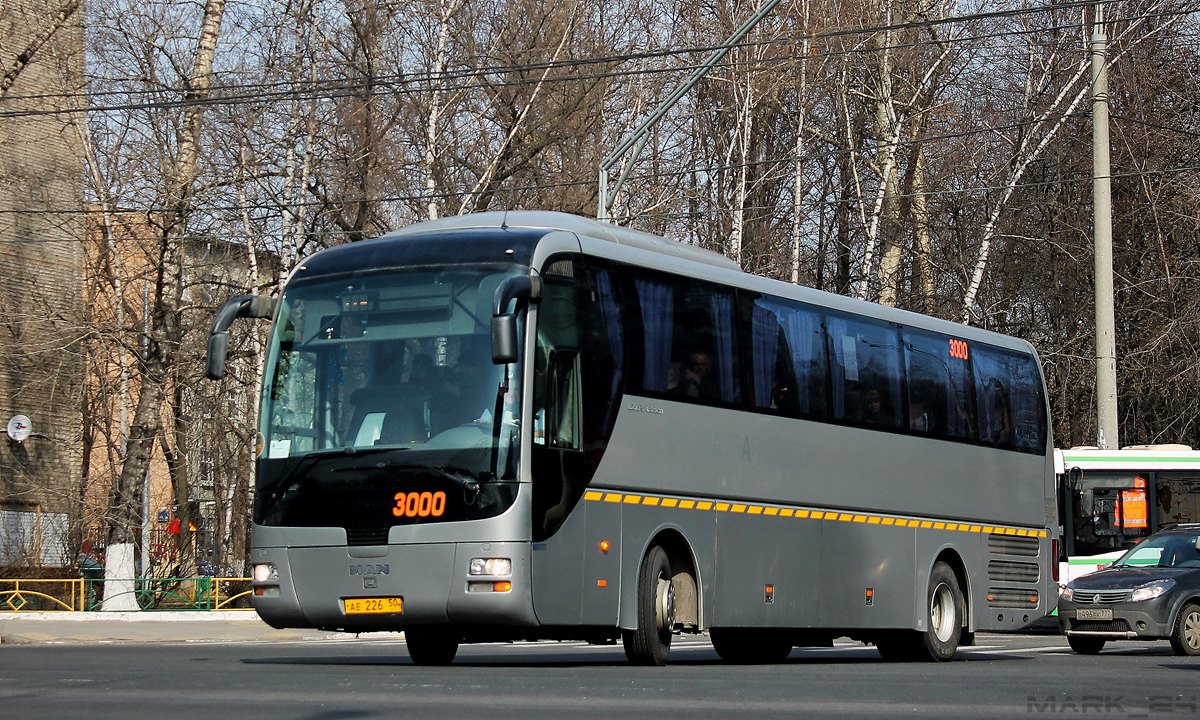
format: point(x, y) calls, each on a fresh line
point(1185, 640)
point(944, 621)
point(650, 642)
point(747, 646)
point(947, 614)
point(1085, 645)
point(431, 645)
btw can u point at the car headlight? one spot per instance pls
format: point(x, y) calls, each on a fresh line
point(1066, 593)
point(1151, 590)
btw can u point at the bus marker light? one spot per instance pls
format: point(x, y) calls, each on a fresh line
point(604, 546)
point(769, 594)
point(870, 596)
point(601, 583)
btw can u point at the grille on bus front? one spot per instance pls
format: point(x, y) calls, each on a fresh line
point(367, 536)
point(1101, 596)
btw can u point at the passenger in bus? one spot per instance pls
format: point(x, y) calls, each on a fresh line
point(872, 408)
point(918, 419)
point(696, 380)
point(999, 427)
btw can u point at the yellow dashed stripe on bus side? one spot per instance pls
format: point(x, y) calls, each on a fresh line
point(781, 511)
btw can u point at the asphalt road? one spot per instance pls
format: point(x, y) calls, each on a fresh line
point(343, 678)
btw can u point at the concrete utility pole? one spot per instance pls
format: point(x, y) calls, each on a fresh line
point(1106, 349)
point(637, 138)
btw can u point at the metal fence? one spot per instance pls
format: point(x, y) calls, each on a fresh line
point(86, 594)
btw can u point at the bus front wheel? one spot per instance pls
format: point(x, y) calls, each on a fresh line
point(431, 645)
point(650, 642)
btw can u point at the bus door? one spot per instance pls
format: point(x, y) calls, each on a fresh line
point(1120, 514)
point(1108, 514)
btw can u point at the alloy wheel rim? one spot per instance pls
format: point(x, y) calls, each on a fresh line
point(666, 605)
point(941, 612)
point(1191, 630)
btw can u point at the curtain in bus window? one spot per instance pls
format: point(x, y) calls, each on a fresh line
point(803, 391)
point(765, 343)
point(610, 314)
point(658, 310)
point(722, 312)
point(866, 372)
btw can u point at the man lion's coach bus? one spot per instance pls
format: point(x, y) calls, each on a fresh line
point(528, 425)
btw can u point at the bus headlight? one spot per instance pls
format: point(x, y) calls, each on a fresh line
point(491, 566)
point(265, 572)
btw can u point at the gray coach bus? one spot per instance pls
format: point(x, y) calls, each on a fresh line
point(529, 425)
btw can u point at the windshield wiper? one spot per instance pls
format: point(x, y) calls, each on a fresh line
point(459, 476)
point(305, 462)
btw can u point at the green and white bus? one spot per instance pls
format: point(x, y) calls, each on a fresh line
point(530, 425)
point(1112, 499)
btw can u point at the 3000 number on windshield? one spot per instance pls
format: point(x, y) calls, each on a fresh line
point(419, 504)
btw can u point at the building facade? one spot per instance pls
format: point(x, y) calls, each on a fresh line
point(41, 259)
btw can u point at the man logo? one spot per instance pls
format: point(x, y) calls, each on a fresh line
point(381, 569)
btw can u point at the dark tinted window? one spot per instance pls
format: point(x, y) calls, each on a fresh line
point(941, 397)
point(689, 341)
point(789, 368)
point(866, 372)
point(1008, 392)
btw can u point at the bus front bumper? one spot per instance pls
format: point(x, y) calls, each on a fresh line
point(395, 586)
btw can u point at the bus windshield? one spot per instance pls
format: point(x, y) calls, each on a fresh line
point(382, 405)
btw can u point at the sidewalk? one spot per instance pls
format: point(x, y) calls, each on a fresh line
point(150, 627)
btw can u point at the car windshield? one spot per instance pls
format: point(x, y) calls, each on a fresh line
point(1168, 550)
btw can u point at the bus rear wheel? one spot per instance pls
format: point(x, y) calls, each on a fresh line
point(431, 645)
point(944, 621)
point(650, 642)
point(750, 645)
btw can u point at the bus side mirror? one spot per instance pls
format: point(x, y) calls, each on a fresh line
point(247, 306)
point(504, 323)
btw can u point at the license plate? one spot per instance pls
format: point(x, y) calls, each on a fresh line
point(373, 606)
point(1094, 614)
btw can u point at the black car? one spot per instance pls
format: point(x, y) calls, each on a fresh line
point(1151, 592)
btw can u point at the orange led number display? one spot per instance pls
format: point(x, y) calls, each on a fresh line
point(959, 349)
point(423, 504)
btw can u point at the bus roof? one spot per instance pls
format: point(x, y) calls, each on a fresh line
point(1142, 457)
point(552, 221)
point(691, 261)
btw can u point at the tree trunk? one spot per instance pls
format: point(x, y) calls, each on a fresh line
point(164, 332)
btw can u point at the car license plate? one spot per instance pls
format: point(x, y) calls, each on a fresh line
point(1094, 614)
point(373, 606)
